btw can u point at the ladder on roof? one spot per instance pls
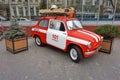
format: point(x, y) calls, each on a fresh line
point(57, 12)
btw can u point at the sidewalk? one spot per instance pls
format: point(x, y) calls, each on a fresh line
point(48, 63)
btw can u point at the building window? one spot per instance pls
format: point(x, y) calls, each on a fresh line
point(13, 0)
point(58, 0)
point(37, 10)
point(3, 0)
point(31, 0)
point(26, 10)
point(19, 0)
point(36, 0)
point(32, 11)
point(20, 11)
point(26, 0)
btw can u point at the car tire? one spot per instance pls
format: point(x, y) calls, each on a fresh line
point(75, 54)
point(38, 41)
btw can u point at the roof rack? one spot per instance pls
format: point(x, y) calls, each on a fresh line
point(57, 12)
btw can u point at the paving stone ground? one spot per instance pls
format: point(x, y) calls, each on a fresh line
point(48, 63)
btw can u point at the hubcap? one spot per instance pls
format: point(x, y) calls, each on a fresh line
point(38, 41)
point(73, 54)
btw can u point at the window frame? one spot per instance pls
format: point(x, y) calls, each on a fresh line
point(59, 27)
point(72, 20)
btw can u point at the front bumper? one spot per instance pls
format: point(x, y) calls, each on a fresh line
point(89, 53)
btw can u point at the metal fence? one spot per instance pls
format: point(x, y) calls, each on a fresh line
point(98, 10)
point(84, 23)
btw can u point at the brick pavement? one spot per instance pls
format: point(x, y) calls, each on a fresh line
point(48, 63)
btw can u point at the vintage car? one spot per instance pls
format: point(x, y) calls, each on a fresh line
point(68, 35)
point(60, 29)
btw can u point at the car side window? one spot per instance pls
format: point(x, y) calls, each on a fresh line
point(57, 25)
point(43, 23)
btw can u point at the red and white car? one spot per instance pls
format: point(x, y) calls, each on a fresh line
point(68, 35)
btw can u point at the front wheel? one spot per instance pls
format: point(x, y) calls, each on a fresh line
point(75, 54)
point(38, 41)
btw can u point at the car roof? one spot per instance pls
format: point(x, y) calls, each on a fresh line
point(61, 18)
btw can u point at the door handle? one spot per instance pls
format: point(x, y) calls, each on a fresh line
point(64, 33)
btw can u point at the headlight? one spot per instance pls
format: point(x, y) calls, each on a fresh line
point(102, 38)
point(89, 45)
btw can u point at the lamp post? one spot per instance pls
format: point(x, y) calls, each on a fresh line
point(29, 9)
point(47, 4)
point(9, 2)
point(114, 11)
point(98, 16)
point(83, 3)
point(66, 3)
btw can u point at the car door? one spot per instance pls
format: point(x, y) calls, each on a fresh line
point(56, 34)
point(43, 26)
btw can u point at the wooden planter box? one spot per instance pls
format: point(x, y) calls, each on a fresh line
point(106, 46)
point(17, 45)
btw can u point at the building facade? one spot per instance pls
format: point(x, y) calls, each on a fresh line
point(4, 9)
point(18, 8)
point(30, 8)
point(25, 8)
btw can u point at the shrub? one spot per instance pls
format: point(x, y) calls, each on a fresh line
point(108, 31)
point(15, 31)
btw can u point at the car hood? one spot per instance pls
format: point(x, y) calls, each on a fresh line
point(84, 35)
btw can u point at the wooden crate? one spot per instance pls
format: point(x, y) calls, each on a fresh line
point(17, 45)
point(106, 46)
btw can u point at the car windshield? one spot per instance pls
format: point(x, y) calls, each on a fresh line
point(74, 24)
